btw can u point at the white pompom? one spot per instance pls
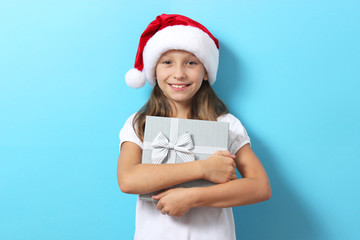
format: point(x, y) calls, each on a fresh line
point(135, 78)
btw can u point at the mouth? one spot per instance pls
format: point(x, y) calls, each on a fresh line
point(179, 86)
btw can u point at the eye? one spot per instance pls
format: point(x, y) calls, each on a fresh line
point(191, 63)
point(166, 62)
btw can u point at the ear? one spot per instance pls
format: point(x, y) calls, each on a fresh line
point(206, 76)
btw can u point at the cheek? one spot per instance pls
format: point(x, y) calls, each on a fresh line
point(201, 74)
point(201, 77)
point(160, 73)
point(156, 72)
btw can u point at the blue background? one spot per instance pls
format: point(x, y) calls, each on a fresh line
point(288, 69)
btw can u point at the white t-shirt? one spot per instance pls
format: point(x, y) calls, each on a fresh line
point(198, 223)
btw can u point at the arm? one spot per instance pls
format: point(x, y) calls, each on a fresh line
point(137, 178)
point(252, 188)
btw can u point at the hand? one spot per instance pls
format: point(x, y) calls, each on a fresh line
point(219, 167)
point(175, 202)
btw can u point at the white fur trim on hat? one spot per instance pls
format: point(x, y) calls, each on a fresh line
point(180, 37)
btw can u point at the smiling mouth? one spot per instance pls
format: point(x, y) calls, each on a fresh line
point(179, 86)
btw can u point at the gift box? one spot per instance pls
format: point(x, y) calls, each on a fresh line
point(175, 140)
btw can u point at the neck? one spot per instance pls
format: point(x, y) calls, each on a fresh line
point(180, 110)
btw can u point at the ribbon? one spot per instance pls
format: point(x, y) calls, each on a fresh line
point(182, 146)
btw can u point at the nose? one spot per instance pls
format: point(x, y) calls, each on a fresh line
point(179, 72)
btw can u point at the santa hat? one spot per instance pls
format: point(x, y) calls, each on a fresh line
point(172, 32)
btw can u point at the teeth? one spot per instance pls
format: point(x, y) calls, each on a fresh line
point(178, 86)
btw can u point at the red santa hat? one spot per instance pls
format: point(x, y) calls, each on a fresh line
point(172, 32)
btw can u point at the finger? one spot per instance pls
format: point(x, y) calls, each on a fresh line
point(160, 195)
point(156, 197)
point(233, 176)
point(233, 165)
point(226, 154)
point(164, 212)
point(159, 206)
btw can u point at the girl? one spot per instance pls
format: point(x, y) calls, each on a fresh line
point(179, 58)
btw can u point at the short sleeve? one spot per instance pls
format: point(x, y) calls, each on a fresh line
point(238, 136)
point(127, 133)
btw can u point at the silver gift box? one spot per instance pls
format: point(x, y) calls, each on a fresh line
point(207, 138)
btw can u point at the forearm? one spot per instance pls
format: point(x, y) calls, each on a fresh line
point(145, 178)
point(234, 193)
point(252, 188)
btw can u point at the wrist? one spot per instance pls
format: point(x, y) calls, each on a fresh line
point(200, 167)
point(195, 197)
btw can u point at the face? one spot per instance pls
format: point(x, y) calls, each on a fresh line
point(179, 75)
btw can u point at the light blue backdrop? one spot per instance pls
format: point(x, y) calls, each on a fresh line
point(289, 70)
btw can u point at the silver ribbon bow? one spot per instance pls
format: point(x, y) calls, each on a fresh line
point(161, 146)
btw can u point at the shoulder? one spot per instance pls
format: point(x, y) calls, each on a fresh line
point(234, 122)
point(238, 136)
point(131, 118)
point(127, 133)
point(129, 122)
point(228, 117)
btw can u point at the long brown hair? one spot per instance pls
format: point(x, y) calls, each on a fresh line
point(206, 105)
